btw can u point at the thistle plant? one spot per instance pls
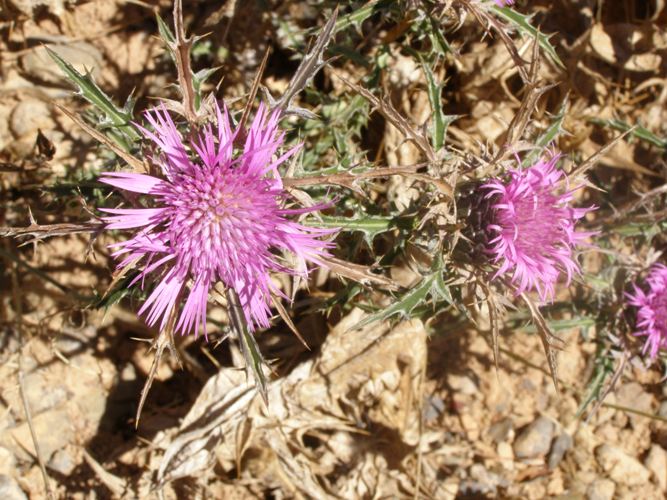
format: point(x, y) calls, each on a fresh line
point(210, 202)
point(217, 214)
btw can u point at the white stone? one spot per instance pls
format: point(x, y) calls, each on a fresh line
point(656, 462)
point(620, 467)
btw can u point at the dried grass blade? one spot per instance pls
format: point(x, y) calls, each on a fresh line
point(310, 65)
point(494, 318)
point(549, 340)
point(116, 485)
point(395, 118)
point(286, 318)
point(592, 160)
point(253, 92)
point(359, 273)
point(136, 164)
point(165, 339)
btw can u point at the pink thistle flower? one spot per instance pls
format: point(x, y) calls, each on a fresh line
point(652, 310)
point(533, 227)
point(218, 217)
point(502, 3)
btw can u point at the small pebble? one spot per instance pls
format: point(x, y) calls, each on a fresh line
point(620, 467)
point(663, 409)
point(499, 431)
point(601, 489)
point(656, 462)
point(561, 445)
point(535, 440)
point(62, 462)
point(10, 490)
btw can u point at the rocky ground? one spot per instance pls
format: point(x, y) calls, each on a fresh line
point(395, 409)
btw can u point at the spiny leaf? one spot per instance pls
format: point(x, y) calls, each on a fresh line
point(198, 79)
point(549, 341)
point(312, 62)
point(432, 284)
point(361, 14)
point(637, 131)
point(549, 135)
point(89, 90)
point(440, 120)
point(165, 33)
point(249, 348)
point(523, 25)
point(438, 40)
point(371, 226)
point(434, 92)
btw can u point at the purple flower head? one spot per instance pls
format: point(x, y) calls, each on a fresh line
point(502, 3)
point(216, 213)
point(533, 228)
point(652, 310)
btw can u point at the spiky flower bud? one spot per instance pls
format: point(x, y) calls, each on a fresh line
point(530, 227)
point(651, 307)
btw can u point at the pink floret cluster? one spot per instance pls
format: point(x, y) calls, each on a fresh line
point(502, 3)
point(652, 310)
point(533, 227)
point(212, 213)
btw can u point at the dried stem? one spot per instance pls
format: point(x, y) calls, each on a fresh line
point(549, 340)
point(253, 93)
point(136, 164)
point(311, 63)
point(164, 340)
point(181, 51)
point(395, 118)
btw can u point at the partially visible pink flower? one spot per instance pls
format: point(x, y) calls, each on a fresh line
point(216, 213)
point(502, 3)
point(533, 227)
point(652, 310)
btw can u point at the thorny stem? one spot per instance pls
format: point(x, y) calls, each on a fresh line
point(21, 378)
point(182, 55)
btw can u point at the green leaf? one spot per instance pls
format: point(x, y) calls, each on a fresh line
point(639, 132)
point(440, 120)
point(432, 284)
point(549, 135)
point(198, 79)
point(165, 33)
point(438, 40)
point(118, 118)
point(523, 25)
point(360, 15)
point(557, 325)
point(434, 93)
point(603, 370)
point(371, 226)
